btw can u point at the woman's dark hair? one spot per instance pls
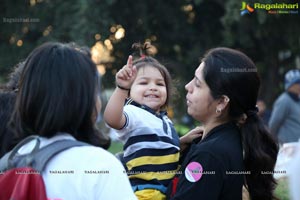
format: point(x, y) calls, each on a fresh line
point(230, 72)
point(143, 59)
point(56, 93)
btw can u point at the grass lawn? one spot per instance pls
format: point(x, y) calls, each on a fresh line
point(115, 147)
point(282, 190)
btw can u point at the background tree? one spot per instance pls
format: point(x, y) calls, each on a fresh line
point(272, 41)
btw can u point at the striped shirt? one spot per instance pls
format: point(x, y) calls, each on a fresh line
point(151, 147)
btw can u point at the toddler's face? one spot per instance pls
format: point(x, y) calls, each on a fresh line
point(149, 88)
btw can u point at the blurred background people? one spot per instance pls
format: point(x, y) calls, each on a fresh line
point(8, 94)
point(263, 111)
point(57, 99)
point(285, 118)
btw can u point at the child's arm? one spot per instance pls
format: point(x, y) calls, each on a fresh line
point(113, 114)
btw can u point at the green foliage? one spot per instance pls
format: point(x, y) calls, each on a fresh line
point(65, 21)
point(263, 37)
point(181, 129)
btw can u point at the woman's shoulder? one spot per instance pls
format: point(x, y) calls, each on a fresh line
point(220, 141)
point(284, 98)
point(75, 156)
point(223, 147)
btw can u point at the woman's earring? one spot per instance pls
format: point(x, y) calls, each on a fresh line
point(227, 99)
point(218, 110)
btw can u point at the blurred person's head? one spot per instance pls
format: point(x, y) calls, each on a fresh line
point(57, 93)
point(292, 81)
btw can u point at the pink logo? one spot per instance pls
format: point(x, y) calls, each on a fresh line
point(193, 172)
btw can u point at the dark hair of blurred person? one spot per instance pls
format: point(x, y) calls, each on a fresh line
point(7, 101)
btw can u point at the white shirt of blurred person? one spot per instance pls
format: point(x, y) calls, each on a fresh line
point(96, 175)
point(294, 176)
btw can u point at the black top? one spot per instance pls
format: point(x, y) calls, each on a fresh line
point(220, 155)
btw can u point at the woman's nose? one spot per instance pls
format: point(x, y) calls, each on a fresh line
point(187, 86)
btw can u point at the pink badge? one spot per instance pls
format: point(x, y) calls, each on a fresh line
point(193, 172)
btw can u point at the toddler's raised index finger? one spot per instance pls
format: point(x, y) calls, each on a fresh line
point(129, 61)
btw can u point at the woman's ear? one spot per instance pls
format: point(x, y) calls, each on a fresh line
point(223, 103)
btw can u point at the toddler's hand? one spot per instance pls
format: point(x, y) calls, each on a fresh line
point(191, 135)
point(126, 75)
